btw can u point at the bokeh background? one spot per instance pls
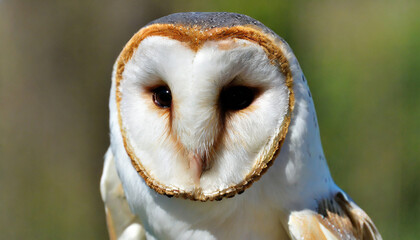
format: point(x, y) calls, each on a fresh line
point(361, 59)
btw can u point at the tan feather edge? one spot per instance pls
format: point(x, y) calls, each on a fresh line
point(110, 225)
point(195, 37)
point(336, 218)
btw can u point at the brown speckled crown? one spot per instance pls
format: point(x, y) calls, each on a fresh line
point(195, 29)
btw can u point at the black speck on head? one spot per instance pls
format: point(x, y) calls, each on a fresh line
point(309, 94)
point(303, 78)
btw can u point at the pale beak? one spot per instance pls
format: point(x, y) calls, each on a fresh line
point(197, 165)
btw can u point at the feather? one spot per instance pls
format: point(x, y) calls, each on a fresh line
point(122, 224)
point(335, 218)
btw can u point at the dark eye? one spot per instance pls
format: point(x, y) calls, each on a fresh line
point(162, 97)
point(237, 97)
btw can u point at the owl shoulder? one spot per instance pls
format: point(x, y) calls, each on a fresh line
point(335, 218)
point(122, 224)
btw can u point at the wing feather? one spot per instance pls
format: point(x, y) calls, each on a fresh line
point(336, 218)
point(122, 224)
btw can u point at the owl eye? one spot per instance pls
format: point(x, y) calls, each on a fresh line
point(237, 97)
point(162, 97)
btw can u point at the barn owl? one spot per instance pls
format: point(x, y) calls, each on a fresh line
point(214, 135)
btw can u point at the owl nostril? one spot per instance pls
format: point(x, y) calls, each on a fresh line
point(162, 97)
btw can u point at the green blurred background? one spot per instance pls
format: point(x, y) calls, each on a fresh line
point(361, 59)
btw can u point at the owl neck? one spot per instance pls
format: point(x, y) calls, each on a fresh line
point(300, 172)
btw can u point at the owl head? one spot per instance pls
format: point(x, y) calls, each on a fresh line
point(202, 103)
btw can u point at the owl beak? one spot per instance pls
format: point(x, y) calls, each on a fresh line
point(197, 165)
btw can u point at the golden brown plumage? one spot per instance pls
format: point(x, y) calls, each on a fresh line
point(335, 218)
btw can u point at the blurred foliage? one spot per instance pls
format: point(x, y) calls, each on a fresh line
point(361, 59)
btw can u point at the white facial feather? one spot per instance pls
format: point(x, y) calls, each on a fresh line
point(196, 80)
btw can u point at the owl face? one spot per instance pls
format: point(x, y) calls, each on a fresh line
point(202, 111)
